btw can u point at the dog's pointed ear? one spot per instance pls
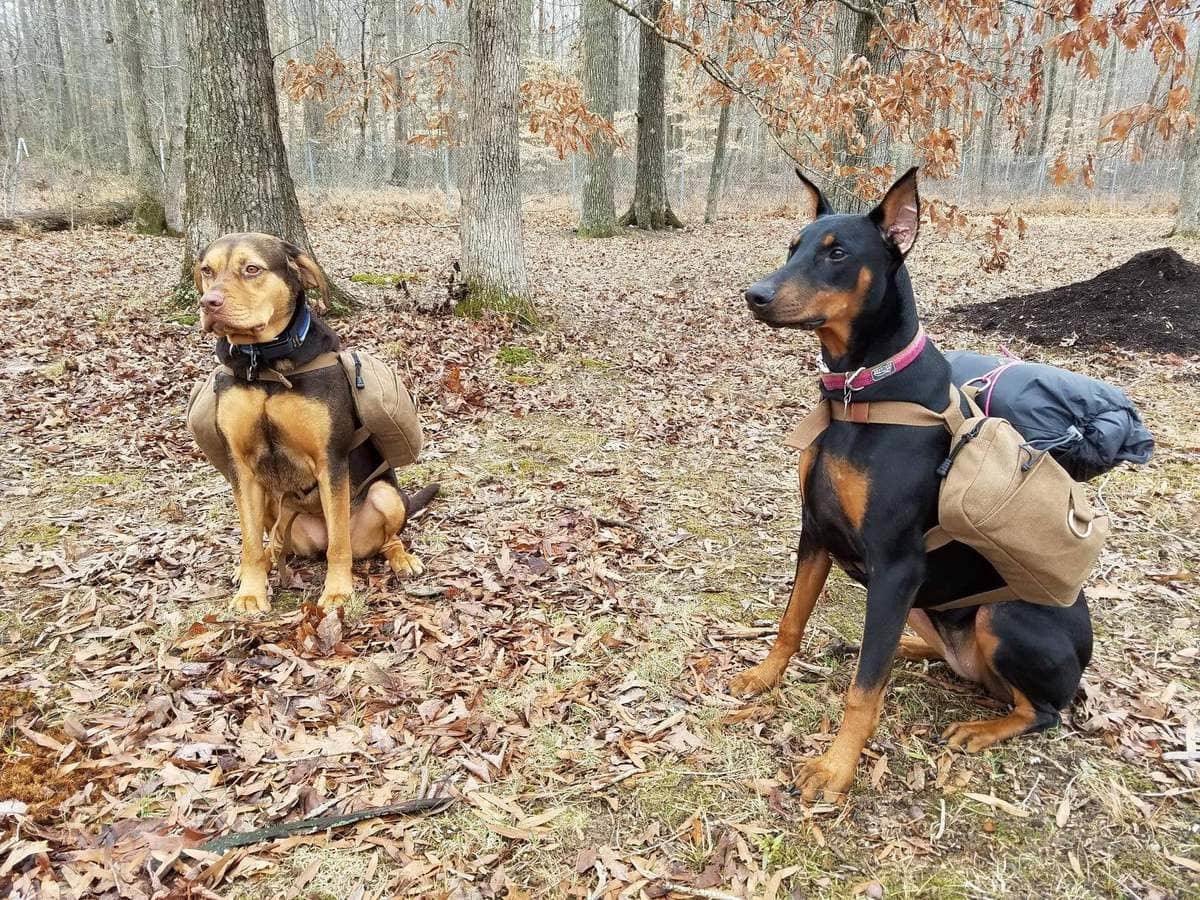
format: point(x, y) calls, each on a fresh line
point(898, 214)
point(311, 276)
point(821, 206)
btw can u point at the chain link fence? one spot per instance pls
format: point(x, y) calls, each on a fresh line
point(756, 178)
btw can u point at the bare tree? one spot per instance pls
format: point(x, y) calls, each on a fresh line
point(717, 173)
point(235, 165)
point(601, 44)
point(149, 216)
point(651, 208)
point(493, 254)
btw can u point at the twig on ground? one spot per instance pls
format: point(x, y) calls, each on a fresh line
point(321, 823)
point(698, 892)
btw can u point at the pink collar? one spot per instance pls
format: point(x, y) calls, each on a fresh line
point(863, 378)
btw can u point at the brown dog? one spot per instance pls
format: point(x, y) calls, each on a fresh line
point(286, 424)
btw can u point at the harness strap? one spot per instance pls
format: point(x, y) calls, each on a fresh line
point(320, 361)
point(998, 595)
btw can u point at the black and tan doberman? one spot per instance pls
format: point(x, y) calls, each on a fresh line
point(295, 472)
point(871, 492)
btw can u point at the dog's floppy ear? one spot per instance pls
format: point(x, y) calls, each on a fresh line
point(311, 276)
point(821, 206)
point(898, 214)
point(196, 277)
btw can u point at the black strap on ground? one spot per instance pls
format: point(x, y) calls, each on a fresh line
point(322, 823)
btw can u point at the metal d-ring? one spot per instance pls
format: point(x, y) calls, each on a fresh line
point(1071, 522)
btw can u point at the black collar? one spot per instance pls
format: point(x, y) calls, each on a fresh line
point(287, 343)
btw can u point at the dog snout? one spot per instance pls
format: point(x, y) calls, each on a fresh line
point(760, 294)
point(212, 300)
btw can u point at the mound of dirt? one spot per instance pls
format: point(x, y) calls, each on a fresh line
point(1152, 302)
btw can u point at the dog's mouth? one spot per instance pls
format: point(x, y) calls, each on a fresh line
point(808, 324)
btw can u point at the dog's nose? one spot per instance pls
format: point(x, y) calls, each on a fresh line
point(212, 300)
point(760, 294)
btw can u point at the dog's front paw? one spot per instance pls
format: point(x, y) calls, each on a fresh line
point(405, 565)
point(755, 680)
point(829, 774)
point(247, 603)
point(331, 599)
point(980, 734)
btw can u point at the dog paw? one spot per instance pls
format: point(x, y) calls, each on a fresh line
point(250, 603)
point(331, 599)
point(405, 565)
point(754, 680)
point(974, 736)
point(829, 775)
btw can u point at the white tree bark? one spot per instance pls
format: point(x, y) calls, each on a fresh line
point(493, 254)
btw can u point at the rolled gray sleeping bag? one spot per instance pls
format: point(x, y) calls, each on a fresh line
point(1087, 425)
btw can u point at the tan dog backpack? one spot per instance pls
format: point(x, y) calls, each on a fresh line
point(1015, 505)
point(384, 409)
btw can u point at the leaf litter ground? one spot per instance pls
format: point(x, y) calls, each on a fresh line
point(613, 544)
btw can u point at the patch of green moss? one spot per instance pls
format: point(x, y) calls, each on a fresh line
point(54, 371)
point(598, 232)
point(515, 356)
point(481, 300)
point(600, 365)
point(185, 317)
point(40, 534)
point(386, 279)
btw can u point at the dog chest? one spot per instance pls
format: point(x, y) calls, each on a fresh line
point(283, 438)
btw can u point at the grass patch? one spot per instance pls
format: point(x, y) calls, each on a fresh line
point(386, 279)
point(514, 356)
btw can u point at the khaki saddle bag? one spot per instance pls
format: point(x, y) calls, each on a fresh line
point(1013, 504)
point(385, 411)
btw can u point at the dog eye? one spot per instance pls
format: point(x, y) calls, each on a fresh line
point(837, 254)
point(206, 271)
point(252, 270)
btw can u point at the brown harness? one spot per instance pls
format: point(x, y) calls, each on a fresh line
point(898, 412)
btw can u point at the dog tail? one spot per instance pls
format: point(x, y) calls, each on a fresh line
point(414, 503)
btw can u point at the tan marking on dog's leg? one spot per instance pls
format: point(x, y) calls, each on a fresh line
point(811, 572)
point(980, 734)
point(926, 644)
point(250, 499)
point(833, 771)
point(335, 505)
point(375, 526)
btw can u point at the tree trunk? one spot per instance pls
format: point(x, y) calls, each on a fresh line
point(493, 254)
point(235, 165)
point(149, 216)
point(1048, 105)
point(1187, 221)
point(651, 208)
point(1110, 79)
point(717, 173)
point(601, 44)
point(401, 152)
point(860, 150)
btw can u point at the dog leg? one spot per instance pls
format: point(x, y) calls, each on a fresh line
point(251, 502)
point(983, 733)
point(375, 526)
point(888, 599)
point(335, 506)
point(812, 568)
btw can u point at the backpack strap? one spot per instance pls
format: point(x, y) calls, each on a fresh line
point(998, 595)
point(320, 361)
